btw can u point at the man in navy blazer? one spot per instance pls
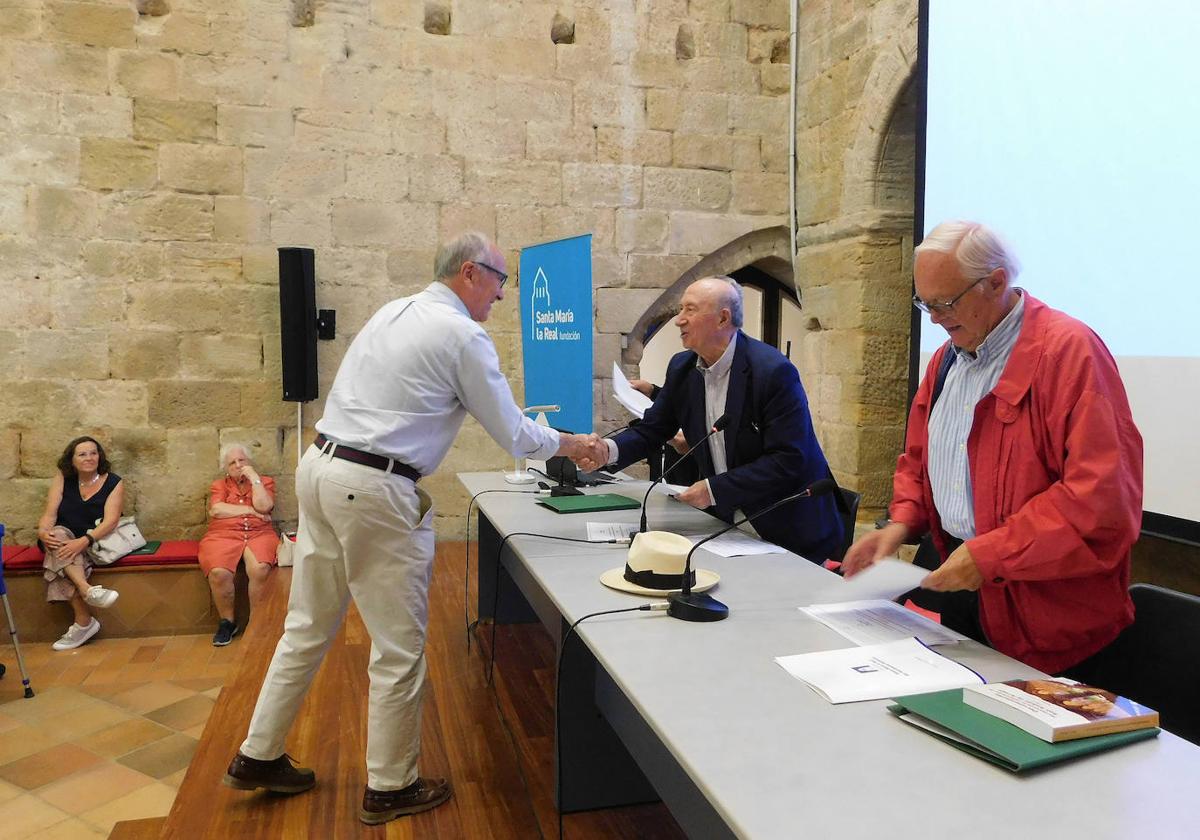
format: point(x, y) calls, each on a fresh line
point(768, 449)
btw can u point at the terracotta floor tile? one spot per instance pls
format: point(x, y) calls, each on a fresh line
point(93, 788)
point(79, 725)
point(103, 689)
point(49, 703)
point(162, 758)
point(126, 737)
point(144, 672)
point(74, 675)
point(150, 696)
point(154, 800)
point(8, 792)
point(175, 779)
point(47, 766)
point(147, 653)
point(72, 829)
point(189, 712)
point(26, 740)
point(27, 816)
point(7, 723)
point(201, 684)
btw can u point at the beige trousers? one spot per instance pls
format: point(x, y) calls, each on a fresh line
point(367, 535)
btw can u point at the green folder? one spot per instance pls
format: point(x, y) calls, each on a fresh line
point(998, 741)
point(589, 503)
point(148, 548)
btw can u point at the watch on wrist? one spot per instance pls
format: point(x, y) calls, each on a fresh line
point(256, 481)
point(91, 540)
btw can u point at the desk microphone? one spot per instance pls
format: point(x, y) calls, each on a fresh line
point(718, 426)
point(701, 606)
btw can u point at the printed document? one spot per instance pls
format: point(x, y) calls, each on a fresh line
point(628, 396)
point(872, 622)
point(597, 531)
point(877, 672)
point(737, 543)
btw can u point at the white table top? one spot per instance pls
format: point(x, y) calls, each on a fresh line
point(778, 761)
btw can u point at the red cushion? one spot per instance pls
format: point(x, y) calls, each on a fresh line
point(18, 558)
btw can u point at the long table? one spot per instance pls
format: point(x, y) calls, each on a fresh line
point(701, 716)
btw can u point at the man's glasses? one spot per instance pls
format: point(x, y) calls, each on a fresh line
point(503, 277)
point(944, 307)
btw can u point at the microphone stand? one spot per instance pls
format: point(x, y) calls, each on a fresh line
point(522, 476)
point(718, 426)
point(700, 606)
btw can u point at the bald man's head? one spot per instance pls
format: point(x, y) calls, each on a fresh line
point(710, 314)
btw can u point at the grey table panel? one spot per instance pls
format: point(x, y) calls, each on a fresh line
point(773, 758)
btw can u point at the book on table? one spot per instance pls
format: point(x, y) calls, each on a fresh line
point(944, 715)
point(1060, 710)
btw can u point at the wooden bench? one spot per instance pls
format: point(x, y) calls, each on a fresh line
point(162, 594)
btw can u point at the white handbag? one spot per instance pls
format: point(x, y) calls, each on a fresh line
point(287, 546)
point(126, 538)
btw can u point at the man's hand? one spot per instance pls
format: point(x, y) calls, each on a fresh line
point(642, 387)
point(957, 573)
point(697, 495)
point(679, 443)
point(589, 452)
point(873, 547)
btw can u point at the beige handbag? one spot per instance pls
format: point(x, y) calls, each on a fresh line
point(287, 546)
point(124, 539)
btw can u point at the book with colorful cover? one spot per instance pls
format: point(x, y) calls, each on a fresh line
point(944, 715)
point(1060, 710)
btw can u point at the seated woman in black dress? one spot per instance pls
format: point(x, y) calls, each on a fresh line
point(84, 505)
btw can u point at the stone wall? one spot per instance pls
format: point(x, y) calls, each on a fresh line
point(154, 154)
point(854, 247)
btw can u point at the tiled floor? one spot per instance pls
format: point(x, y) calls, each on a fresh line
point(107, 736)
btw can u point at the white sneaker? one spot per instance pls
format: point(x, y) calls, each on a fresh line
point(76, 635)
point(100, 597)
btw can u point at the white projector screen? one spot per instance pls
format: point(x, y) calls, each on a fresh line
point(1072, 129)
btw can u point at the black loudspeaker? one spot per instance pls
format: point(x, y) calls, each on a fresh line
point(298, 323)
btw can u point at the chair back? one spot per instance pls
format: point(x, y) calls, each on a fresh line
point(849, 517)
point(1162, 668)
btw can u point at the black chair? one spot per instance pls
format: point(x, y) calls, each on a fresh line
point(849, 517)
point(1157, 661)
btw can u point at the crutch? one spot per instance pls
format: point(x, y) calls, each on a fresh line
point(12, 626)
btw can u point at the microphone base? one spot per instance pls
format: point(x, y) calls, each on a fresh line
point(565, 491)
point(518, 478)
point(696, 606)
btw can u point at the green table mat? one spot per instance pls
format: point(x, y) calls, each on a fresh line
point(589, 503)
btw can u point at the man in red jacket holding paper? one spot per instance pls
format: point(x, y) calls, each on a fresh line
point(1023, 462)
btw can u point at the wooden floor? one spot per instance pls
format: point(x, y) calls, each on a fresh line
point(496, 747)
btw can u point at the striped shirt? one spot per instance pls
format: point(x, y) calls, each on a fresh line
point(970, 378)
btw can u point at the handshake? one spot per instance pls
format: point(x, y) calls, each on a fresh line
point(589, 452)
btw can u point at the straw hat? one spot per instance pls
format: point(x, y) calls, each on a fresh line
point(655, 566)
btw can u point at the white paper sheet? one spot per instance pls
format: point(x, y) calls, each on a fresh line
point(886, 579)
point(609, 530)
point(667, 489)
point(626, 395)
point(737, 543)
point(872, 622)
point(876, 672)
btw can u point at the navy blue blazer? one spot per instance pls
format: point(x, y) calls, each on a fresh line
point(770, 446)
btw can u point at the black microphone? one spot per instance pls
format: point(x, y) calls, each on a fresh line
point(701, 606)
point(718, 426)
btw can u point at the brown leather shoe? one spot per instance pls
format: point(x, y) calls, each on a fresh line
point(277, 775)
point(379, 806)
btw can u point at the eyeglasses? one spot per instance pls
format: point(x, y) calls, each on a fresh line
point(503, 277)
point(944, 307)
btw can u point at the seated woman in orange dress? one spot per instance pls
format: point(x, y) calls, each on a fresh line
point(239, 529)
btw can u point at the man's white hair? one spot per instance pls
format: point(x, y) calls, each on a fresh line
point(733, 299)
point(230, 447)
point(978, 249)
point(471, 246)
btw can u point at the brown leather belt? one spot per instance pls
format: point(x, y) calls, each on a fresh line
point(367, 459)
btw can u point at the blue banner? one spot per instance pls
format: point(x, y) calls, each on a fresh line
point(556, 329)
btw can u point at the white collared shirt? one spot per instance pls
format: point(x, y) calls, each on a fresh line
point(411, 376)
point(971, 377)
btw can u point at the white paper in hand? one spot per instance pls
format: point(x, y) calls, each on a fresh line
point(886, 579)
point(628, 396)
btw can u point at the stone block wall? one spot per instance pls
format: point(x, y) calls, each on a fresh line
point(854, 244)
point(153, 156)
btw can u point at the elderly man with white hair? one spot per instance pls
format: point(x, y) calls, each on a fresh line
point(1023, 463)
point(239, 531)
point(413, 373)
point(768, 449)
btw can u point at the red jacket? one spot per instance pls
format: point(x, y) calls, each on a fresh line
point(1056, 465)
